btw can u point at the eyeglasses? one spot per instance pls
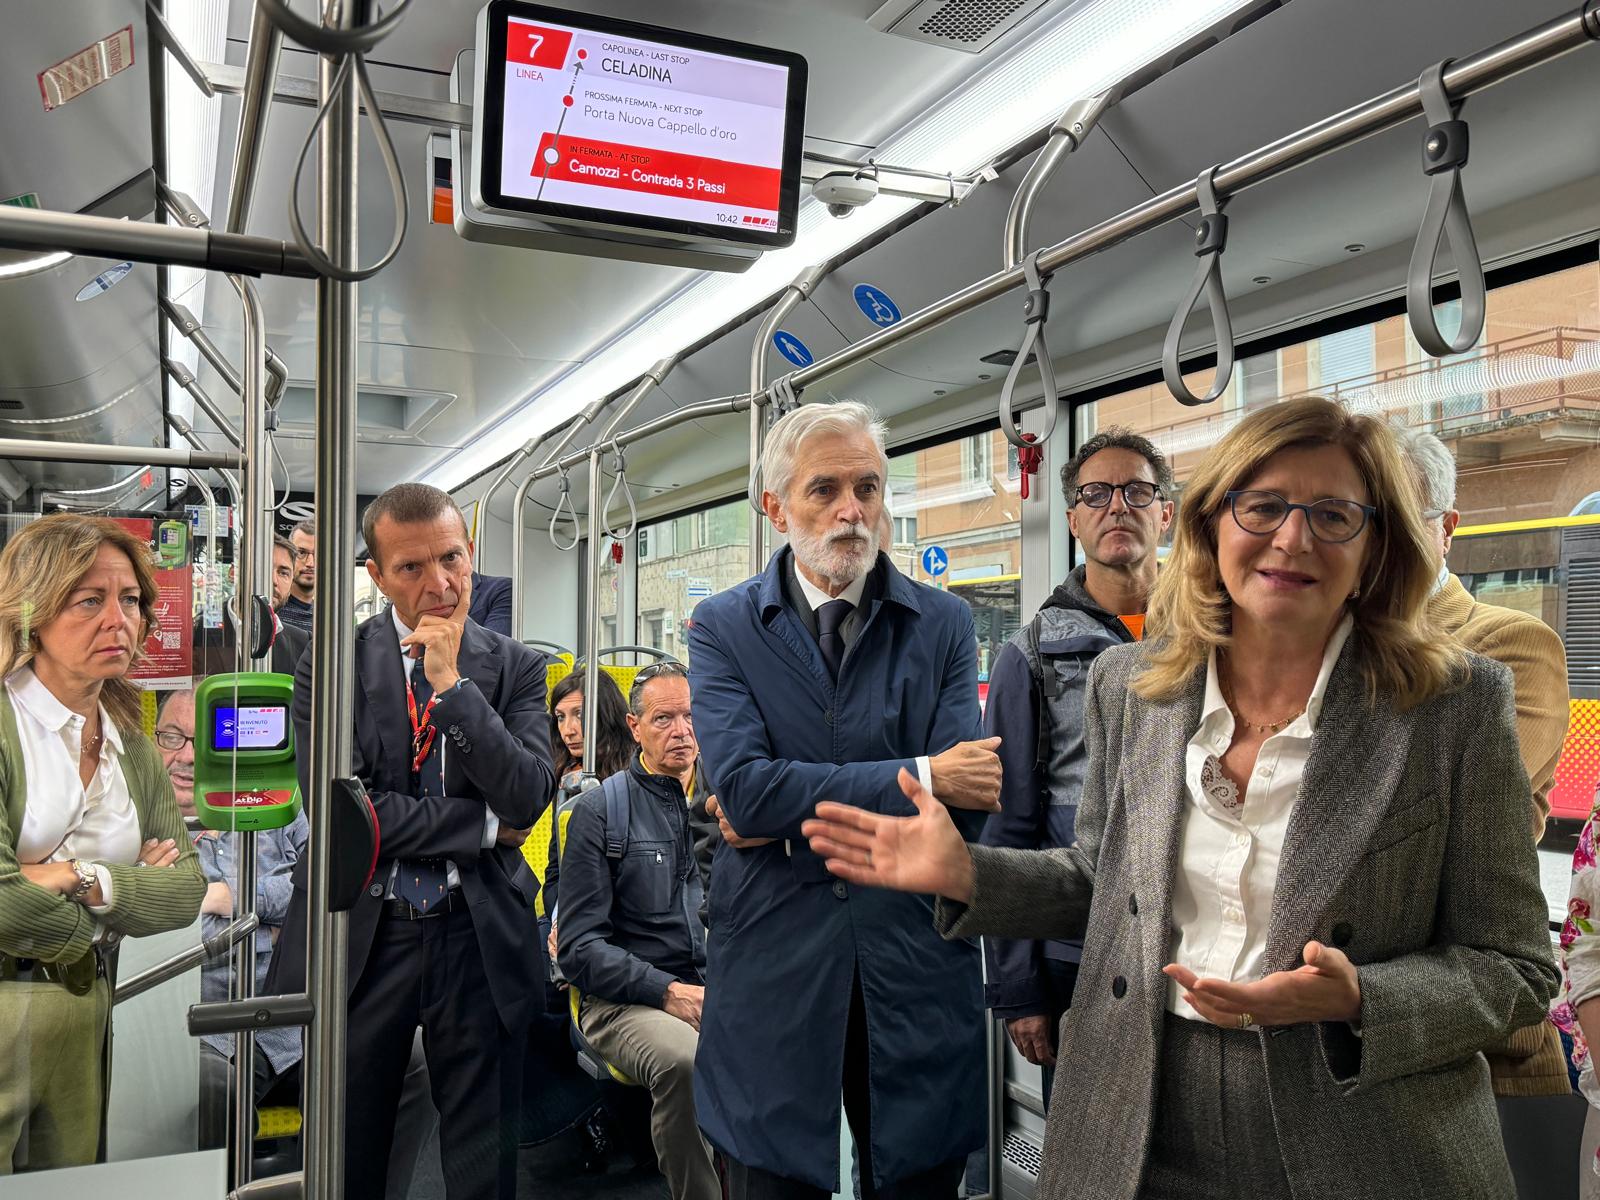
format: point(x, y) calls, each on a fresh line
point(171, 739)
point(1332, 521)
point(1432, 514)
point(1136, 493)
point(669, 668)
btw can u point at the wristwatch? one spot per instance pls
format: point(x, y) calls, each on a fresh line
point(88, 876)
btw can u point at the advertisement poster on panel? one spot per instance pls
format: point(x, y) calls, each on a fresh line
point(168, 651)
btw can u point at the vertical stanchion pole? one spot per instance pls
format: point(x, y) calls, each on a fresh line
point(254, 560)
point(332, 648)
point(591, 613)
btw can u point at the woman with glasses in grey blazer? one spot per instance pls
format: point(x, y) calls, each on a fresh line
point(1302, 872)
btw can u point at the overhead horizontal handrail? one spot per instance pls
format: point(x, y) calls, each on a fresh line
point(1463, 77)
point(121, 456)
point(721, 406)
point(142, 241)
point(210, 949)
point(1210, 240)
point(1444, 153)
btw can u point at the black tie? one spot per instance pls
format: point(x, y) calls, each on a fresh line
point(830, 620)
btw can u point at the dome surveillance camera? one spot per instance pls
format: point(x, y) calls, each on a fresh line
point(843, 192)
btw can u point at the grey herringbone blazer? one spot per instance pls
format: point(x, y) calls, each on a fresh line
point(1408, 847)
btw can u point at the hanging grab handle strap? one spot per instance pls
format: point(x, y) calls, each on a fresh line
point(782, 398)
point(620, 535)
point(1210, 240)
point(1444, 153)
point(1035, 311)
point(565, 502)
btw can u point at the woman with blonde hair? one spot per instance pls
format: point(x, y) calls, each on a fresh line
point(85, 803)
point(1302, 873)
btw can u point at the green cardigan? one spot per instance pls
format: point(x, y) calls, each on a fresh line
point(40, 924)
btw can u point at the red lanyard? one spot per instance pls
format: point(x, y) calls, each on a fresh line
point(422, 728)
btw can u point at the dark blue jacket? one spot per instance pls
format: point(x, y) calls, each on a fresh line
point(1038, 806)
point(788, 940)
point(630, 925)
point(491, 602)
point(494, 738)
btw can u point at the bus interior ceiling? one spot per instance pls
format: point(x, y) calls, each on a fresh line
point(454, 336)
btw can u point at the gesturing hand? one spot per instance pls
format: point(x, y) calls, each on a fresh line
point(1326, 988)
point(440, 638)
point(923, 853)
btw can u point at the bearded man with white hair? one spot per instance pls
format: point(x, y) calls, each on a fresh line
point(827, 677)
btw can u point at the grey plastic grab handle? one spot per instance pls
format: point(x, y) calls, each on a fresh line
point(1211, 239)
point(1444, 153)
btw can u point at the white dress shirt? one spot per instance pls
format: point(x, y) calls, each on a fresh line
point(491, 823)
point(62, 819)
point(1228, 860)
point(816, 597)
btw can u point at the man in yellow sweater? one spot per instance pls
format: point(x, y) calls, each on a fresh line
point(1530, 1063)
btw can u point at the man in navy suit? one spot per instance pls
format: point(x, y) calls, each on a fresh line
point(452, 742)
point(491, 602)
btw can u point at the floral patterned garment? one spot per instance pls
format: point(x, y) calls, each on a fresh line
point(1580, 957)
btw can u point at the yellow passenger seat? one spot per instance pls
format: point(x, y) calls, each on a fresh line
point(281, 1122)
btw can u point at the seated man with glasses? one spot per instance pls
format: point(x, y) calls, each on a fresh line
point(631, 937)
point(277, 1051)
point(1115, 487)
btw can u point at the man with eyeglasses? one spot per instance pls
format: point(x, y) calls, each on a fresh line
point(1117, 487)
point(631, 935)
point(277, 1051)
point(297, 608)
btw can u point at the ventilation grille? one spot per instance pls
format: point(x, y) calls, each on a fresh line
point(1580, 551)
point(969, 25)
point(1023, 1154)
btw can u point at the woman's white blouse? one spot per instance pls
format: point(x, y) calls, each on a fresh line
point(62, 818)
point(1228, 860)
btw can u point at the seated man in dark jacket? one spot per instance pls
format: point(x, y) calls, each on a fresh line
point(631, 938)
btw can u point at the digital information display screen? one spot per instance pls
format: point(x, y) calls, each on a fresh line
point(639, 129)
point(250, 727)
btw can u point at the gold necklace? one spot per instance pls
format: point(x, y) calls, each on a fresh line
point(1269, 727)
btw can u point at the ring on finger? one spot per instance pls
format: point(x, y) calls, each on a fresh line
point(1246, 1020)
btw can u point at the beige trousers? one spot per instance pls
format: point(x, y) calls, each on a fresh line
point(657, 1051)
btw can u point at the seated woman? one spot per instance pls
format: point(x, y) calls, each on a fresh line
point(613, 753)
point(84, 804)
point(1302, 874)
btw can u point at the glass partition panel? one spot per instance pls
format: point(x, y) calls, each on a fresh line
point(681, 561)
point(955, 510)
